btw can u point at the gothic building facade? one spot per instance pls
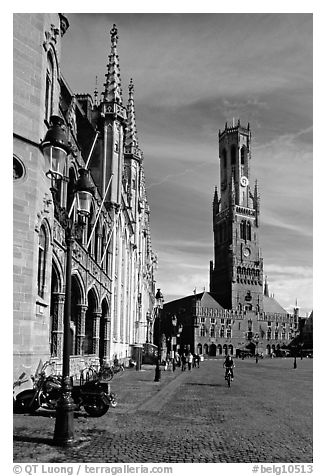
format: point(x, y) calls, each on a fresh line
point(113, 264)
point(237, 314)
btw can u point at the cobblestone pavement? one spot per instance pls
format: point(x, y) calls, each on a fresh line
point(266, 416)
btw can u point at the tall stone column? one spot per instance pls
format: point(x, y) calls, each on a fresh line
point(96, 332)
point(80, 330)
point(58, 301)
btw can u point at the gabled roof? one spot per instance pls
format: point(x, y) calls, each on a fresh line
point(207, 300)
point(271, 305)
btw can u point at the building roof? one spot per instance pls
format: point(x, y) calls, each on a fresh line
point(206, 299)
point(271, 305)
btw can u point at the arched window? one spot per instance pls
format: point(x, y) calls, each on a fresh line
point(42, 249)
point(49, 86)
point(243, 230)
point(212, 331)
point(243, 151)
point(233, 155)
point(248, 230)
point(202, 330)
point(224, 158)
point(222, 331)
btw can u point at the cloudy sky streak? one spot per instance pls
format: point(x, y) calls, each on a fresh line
point(192, 73)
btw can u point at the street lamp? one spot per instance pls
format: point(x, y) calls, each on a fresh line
point(159, 306)
point(56, 147)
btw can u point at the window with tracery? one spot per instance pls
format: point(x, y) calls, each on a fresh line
point(49, 86)
point(42, 245)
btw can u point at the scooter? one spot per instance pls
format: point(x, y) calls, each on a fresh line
point(93, 395)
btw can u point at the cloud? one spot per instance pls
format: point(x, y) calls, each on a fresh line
point(192, 73)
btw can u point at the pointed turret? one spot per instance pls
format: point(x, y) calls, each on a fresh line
point(131, 141)
point(216, 202)
point(133, 155)
point(266, 291)
point(113, 90)
point(114, 114)
point(96, 93)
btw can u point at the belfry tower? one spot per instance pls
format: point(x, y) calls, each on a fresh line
point(236, 275)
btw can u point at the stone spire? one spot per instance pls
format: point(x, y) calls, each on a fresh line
point(216, 202)
point(96, 93)
point(113, 91)
point(131, 134)
point(266, 292)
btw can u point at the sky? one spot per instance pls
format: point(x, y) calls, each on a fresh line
point(192, 73)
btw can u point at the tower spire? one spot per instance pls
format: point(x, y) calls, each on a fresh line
point(131, 134)
point(96, 92)
point(216, 202)
point(131, 140)
point(112, 85)
point(266, 292)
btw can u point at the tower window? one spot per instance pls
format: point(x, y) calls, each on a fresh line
point(233, 155)
point(224, 158)
point(243, 150)
point(41, 261)
point(248, 231)
point(49, 86)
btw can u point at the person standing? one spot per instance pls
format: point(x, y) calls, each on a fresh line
point(183, 362)
point(190, 360)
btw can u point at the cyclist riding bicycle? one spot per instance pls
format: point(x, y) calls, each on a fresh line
point(228, 364)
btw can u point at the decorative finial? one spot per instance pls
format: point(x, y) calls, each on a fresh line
point(131, 87)
point(114, 35)
point(238, 122)
point(95, 92)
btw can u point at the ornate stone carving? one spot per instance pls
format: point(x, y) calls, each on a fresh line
point(51, 37)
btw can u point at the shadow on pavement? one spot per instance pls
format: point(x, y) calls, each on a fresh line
point(34, 439)
point(205, 384)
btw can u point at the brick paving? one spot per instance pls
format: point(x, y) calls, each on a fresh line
point(266, 416)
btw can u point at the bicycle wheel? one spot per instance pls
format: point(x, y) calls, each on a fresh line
point(106, 373)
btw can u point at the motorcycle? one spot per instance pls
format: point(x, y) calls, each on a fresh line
point(93, 395)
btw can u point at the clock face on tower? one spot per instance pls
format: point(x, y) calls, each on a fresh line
point(244, 181)
point(246, 252)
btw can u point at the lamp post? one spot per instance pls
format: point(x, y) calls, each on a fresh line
point(56, 148)
point(159, 306)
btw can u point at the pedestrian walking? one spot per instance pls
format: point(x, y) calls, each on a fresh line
point(177, 359)
point(183, 362)
point(190, 360)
